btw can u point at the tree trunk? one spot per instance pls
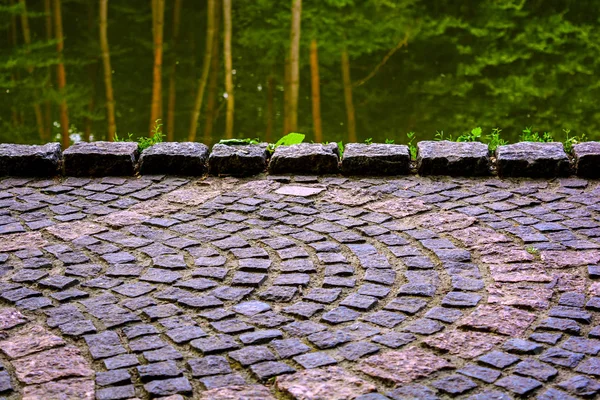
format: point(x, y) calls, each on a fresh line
point(348, 97)
point(270, 107)
point(27, 39)
point(294, 64)
point(92, 71)
point(316, 91)
point(210, 33)
point(110, 100)
point(228, 67)
point(286, 96)
point(158, 15)
point(61, 77)
point(211, 103)
point(14, 76)
point(172, 88)
point(48, 104)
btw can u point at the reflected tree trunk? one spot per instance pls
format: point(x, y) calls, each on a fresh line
point(47, 103)
point(158, 15)
point(210, 33)
point(27, 39)
point(228, 68)
point(213, 79)
point(172, 88)
point(61, 76)
point(294, 64)
point(350, 114)
point(270, 108)
point(110, 101)
point(316, 91)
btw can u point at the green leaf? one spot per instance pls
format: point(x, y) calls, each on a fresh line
point(290, 139)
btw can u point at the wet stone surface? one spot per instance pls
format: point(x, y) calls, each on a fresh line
point(302, 288)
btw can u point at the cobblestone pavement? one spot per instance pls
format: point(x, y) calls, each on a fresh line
point(303, 288)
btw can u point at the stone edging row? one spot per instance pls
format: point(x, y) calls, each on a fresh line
point(525, 159)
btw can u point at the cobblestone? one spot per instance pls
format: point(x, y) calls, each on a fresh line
point(370, 288)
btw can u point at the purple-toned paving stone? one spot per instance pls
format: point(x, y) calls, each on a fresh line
point(305, 280)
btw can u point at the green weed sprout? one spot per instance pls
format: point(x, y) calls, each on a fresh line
point(494, 140)
point(411, 145)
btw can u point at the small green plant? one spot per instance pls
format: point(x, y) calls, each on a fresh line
point(239, 142)
point(145, 142)
point(529, 136)
point(494, 140)
point(287, 140)
point(532, 250)
point(390, 141)
point(340, 145)
point(473, 136)
point(369, 141)
point(439, 135)
point(411, 145)
point(570, 141)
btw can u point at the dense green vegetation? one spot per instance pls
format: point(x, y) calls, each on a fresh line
point(413, 66)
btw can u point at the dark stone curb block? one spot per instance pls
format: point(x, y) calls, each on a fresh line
point(306, 158)
point(238, 160)
point(25, 160)
point(376, 159)
point(525, 159)
point(453, 158)
point(175, 158)
point(532, 159)
point(101, 159)
point(587, 159)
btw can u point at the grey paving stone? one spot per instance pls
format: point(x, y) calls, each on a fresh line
point(454, 384)
point(160, 370)
point(209, 365)
point(587, 157)
point(237, 160)
point(487, 375)
point(532, 159)
point(375, 159)
point(518, 385)
point(270, 369)
point(29, 160)
point(452, 158)
point(100, 159)
point(536, 369)
point(175, 158)
point(315, 360)
point(305, 158)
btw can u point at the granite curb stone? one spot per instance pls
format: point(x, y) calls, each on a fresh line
point(241, 160)
point(532, 159)
point(306, 158)
point(176, 158)
point(30, 160)
point(524, 159)
point(587, 159)
point(376, 159)
point(101, 159)
point(453, 158)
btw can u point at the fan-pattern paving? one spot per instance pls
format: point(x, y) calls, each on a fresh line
point(305, 287)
